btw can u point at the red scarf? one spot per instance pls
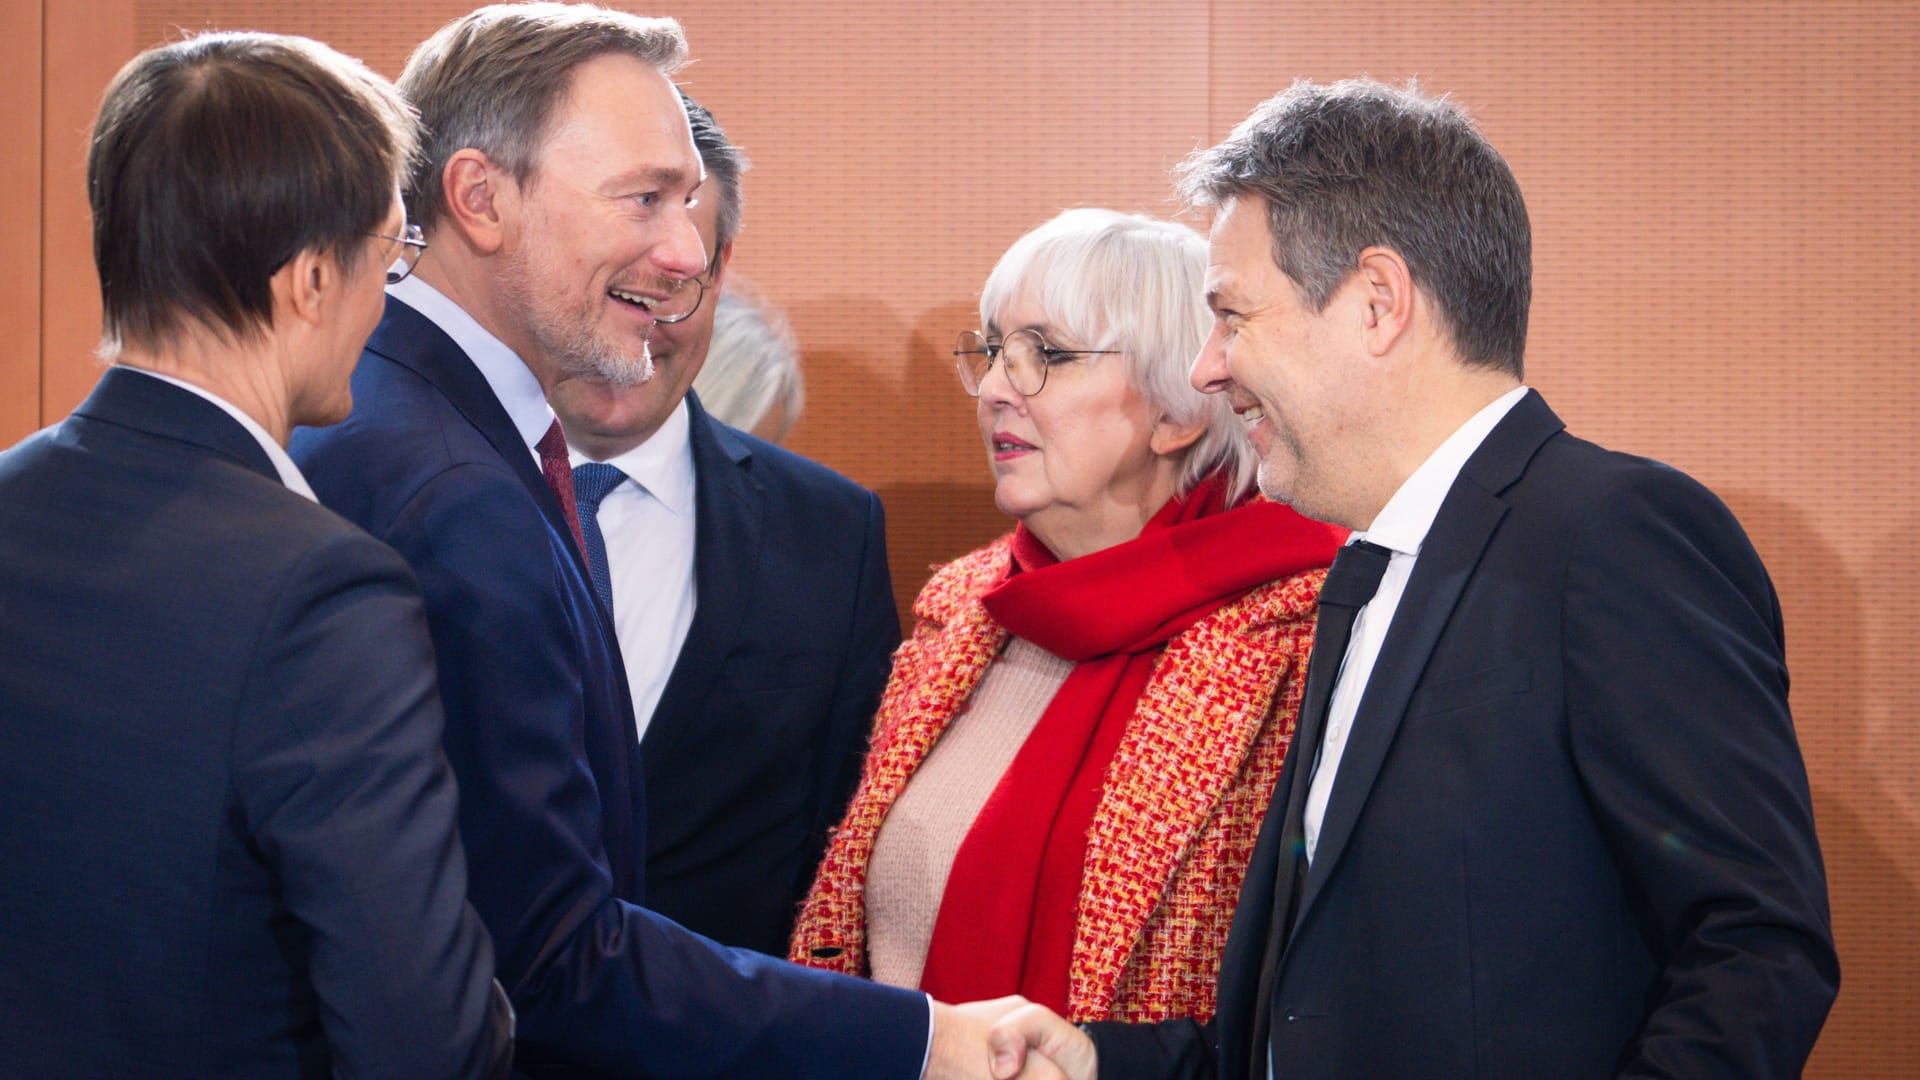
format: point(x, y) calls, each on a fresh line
point(1007, 919)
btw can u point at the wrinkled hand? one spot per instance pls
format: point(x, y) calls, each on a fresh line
point(1028, 1035)
point(960, 1050)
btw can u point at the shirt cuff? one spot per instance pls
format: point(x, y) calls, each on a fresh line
point(927, 1058)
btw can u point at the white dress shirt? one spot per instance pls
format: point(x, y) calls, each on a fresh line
point(1401, 527)
point(647, 523)
point(282, 464)
point(511, 381)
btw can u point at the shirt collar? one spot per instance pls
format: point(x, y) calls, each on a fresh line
point(511, 381)
point(663, 465)
point(1403, 523)
point(282, 464)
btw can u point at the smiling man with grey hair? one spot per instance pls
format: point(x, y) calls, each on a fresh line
point(754, 610)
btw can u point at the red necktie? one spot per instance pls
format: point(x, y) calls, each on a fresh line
point(553, 462)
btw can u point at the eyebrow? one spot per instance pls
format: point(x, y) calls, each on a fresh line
point(657, 175)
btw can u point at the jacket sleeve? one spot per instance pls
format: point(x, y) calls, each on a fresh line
point(871, 639)
point(597, 981)
point(346, 793)
point(1169, 1050)
point(1676, 694)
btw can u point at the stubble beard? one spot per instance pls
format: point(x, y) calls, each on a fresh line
point(569, 340)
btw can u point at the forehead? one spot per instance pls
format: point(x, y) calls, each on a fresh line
point(620, 119)
point(1239, 246)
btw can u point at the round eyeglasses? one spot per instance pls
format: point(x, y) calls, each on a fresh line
point(413, 244)
point(680, 299)
point(1025, 356)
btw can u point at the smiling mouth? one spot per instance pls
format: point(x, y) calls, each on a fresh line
point(633, 299)
point(1006, 444)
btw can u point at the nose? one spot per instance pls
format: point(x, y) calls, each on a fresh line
point(1209, 372)
point(997, 389)
point(681, 252)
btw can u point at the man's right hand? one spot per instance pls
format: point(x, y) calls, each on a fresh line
point(961, 1050)
point(1028, 1035)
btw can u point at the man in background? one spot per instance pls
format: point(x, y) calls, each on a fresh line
point(754, 611)
point(226, 824)
point(1545, 813)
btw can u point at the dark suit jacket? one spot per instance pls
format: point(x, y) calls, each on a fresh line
point(227, 839)
point(541, 735)
point(1571, 834)
point(756, 743)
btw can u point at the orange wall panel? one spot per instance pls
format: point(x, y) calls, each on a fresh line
point(20, 53)
point(1726, 209)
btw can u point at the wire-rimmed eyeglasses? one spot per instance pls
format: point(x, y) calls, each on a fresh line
point(413, 244)
point(683, 295)
point(1025, 355)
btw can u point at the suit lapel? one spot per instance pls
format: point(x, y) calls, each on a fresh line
point(1453, 546)
point(729, 507)
point(412, 341)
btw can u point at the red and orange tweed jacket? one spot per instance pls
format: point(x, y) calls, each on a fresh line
point(1177, 818)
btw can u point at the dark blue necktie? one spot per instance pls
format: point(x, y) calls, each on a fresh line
point(1350, 585)
point(591, 482)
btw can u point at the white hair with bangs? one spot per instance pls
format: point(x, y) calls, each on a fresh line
point(1107, 280)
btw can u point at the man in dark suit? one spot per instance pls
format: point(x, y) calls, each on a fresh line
point(751, 598)
point(1546, 814)
point(555, 187)
point(226, 824)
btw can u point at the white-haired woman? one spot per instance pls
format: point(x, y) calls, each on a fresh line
point(1078, 742)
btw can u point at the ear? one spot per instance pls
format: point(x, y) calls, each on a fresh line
point(1169, 438)
point(1388, 293)
point(479, 195)
point(303, 286)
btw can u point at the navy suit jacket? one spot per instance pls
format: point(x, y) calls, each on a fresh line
point(227, 840)
point(1571, 834)
point(756, 743)
point(541, 735)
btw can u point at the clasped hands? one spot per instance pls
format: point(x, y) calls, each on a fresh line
point(1009, 1038)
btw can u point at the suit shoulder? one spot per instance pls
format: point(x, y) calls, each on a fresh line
point(1595, 484)
point(775, 464)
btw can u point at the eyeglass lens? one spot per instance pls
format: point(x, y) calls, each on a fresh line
point(1023, 352)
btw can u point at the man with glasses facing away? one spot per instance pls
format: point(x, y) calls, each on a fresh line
point(755, 614)
point(556, 187)
point(227, 825)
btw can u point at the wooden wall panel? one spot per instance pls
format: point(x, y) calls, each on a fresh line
point(20, 53)
point(1726, 202)
point(86, 44)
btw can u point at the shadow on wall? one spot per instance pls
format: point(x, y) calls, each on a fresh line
point(934, 521)
point(1861, 764)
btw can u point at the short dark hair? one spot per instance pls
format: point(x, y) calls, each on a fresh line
point(724, 163)
point(491, 78)
point(1359, 163)
point(216, 159)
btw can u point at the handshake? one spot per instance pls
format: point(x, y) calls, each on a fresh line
point(1008, 1038)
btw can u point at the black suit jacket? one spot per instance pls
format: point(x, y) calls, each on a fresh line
point(756, 743)
point(227, 840)
point(541, 735)
point(1571, 834)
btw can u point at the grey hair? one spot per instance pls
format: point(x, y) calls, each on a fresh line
point(490, 80)
point(1109, 280)
point(724, 163)
point(1359, 163)
point(752, 365)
